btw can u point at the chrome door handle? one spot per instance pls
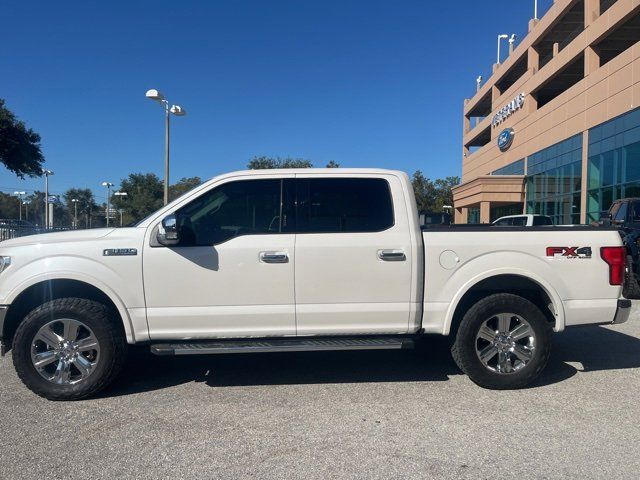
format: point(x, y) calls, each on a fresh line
point(274, 257)
point(392, 255)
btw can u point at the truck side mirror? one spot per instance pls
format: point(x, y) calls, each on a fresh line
point(169, 231)
point(605, 219)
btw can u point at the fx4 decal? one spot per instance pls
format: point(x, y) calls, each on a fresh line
point(569, 252)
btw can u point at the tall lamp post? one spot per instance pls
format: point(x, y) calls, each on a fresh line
point(47, 174)
point(75, 212)
point(20, 195)
point(120, 194)
point(108, 185)
point(176, 110)
point(502, 36)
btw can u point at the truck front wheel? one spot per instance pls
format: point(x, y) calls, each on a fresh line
point(503, 342)
point(68, 349)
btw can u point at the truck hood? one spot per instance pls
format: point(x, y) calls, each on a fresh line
point(58, 237)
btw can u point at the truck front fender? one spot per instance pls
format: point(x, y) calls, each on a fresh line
point(127, 299)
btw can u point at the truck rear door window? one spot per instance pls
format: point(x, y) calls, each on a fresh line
point(332, 205)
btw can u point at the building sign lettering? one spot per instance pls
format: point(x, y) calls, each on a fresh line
point(506, 111)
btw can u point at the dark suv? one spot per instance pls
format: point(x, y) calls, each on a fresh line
point(625, 214)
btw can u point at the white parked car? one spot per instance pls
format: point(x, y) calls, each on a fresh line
point(525, 220)
point(290, 260)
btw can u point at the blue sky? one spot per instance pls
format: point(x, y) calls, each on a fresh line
point(364, 83)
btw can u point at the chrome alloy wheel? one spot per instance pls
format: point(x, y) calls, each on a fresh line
point(65, 351)
point(505, 343)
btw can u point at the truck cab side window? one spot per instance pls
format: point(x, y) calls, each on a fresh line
point(621, 214)
point(614, 210)
point(244, 207)
point(635, 212)
point(537, 221)
point(332, 205)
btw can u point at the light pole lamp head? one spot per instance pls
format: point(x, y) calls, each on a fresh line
point(107, 184)
point(512, 38)
point(154, 94)
point(75, 200)
point(19, 193)
point(120, 194)
point(502, 35)
point(178, 110)
point(48, 173)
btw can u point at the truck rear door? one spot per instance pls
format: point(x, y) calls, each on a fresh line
point(353, 255)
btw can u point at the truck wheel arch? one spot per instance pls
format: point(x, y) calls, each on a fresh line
point(521, 283)
point(39, 292)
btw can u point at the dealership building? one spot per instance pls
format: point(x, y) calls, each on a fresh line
point(555, 130)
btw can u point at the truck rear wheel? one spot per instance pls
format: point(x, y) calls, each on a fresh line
point(503, 342)
point(68, 349)
point(631, 287)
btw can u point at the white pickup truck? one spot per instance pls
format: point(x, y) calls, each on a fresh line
point(291, 260)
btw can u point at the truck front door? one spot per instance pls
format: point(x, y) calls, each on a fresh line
point(232, 273)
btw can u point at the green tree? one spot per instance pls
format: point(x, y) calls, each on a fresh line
point(444, 195)
point(61, 216)
point(86, 204)
point(19, 146)
point(182, 186)
point(144, 195)
point(424, 190)
point(432, 195)
point(8, 206)
point(34, 208)
point(333, 164)
point(260, 163)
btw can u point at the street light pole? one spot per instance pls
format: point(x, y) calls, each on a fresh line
point(47, 174)
point(75, 212)
point(19, 195)
point(176, 110)
point(120, 194)
point(166, 155)
point(500, 37)
point(108, 185)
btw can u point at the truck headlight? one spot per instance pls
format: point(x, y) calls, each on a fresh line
point(4, 262)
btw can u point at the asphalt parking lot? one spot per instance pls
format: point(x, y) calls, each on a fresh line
point(368, 415)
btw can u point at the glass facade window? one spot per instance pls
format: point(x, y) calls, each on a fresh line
point(473, 215)
point(515, 168)
point(614, 163)
point(554, 181)
point(505, 210)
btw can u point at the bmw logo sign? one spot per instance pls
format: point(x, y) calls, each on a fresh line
point(505, 139)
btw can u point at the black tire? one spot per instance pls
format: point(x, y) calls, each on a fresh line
point(106, 329)
point(464, 347)
point(630, 288)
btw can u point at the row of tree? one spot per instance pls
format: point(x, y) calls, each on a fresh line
point(144, 196)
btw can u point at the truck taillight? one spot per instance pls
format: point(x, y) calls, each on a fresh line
point(616, 258)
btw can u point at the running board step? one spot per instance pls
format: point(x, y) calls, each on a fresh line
point(282, 345)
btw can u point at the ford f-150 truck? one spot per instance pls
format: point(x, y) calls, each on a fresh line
point(291, 260)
